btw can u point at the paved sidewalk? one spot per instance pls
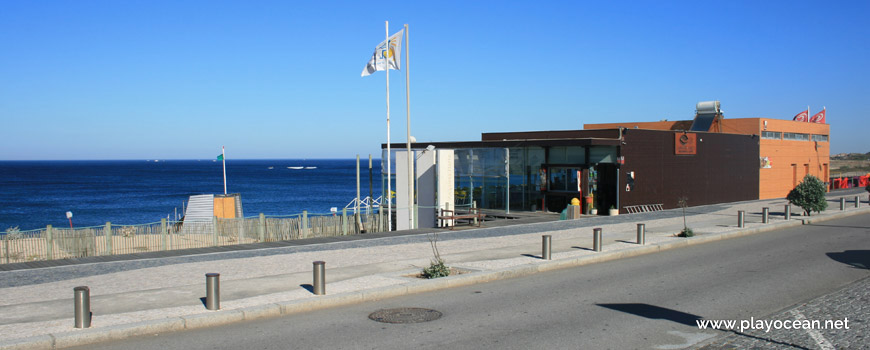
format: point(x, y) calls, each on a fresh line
point(154, 295)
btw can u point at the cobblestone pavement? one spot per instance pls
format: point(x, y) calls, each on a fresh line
point(850, 303)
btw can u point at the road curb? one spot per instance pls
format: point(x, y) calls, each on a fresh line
point(224, 317)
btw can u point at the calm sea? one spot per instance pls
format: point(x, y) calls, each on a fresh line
point(34, 194)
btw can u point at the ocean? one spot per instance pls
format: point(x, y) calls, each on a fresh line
point(128, 192)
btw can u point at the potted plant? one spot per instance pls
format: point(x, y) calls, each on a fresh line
point(614, 211)
point(593, 211)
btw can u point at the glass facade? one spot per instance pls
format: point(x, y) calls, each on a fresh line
point(518, 178)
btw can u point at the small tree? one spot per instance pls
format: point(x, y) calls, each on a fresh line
point(437, 268)
point(809, 195)
point(683, 202)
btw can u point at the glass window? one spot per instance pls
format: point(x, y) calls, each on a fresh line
point(563, 179)
point(820, 138)
point(567, 155)
point(795, 136)
point(602, 154)
point(771, 135)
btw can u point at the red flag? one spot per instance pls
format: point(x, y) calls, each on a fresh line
point(818, 118)
point(802, 116)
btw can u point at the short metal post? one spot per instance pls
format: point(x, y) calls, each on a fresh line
point(788, 211)
point(474, 206)
point(596, 239)
point(641, 234)
point(857, 201)
point(740, 215)
point(765, 215)
point(82, 307)
point(842, 203)
point(213, 291)
point(319, 278)
point(545, 248)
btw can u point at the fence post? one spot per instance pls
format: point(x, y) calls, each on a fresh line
point(381, 226)
point(163, 233)
point(6, 245)
point(49, 242)
point(107, 231)
point(261, 232)
point(304, 224)
point(240, 228)
point(416, 216)
point(214, 225)
point(344, 222)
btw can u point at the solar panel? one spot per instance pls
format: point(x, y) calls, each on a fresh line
point(703, 122)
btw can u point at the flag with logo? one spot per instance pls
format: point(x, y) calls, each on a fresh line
point(802, 116)
point(818, 117)
point(220, 157)
point(386, 51)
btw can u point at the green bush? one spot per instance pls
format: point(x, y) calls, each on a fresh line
point(686, 232)
point(809, 195)
point(436, 269)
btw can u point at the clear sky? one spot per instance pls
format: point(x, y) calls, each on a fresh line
point(281, 79)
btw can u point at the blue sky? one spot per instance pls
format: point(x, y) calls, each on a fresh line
point(281, 79)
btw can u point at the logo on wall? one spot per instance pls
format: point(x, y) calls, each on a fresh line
point(685, 143)
point(765, 163)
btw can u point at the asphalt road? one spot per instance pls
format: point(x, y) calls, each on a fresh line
point(645, 302)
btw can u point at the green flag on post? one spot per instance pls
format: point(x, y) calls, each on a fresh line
point(220, 157)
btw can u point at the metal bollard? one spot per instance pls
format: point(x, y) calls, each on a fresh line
point(842, 203)
point(857, 201)
point(765, 215)
point(641, 234)
point(319, 278)
point(788, 211)
point(596, 239)
point(213, 291)
point(82, 306)
point(546, 244)
point(740, 215)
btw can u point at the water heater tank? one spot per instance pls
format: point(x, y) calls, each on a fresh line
point(707, 107)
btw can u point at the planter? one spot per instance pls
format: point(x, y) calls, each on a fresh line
point(614, 212)
point(593, 211)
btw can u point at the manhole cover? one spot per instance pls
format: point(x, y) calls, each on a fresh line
point(405, 315)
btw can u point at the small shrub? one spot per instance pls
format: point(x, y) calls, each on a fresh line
point(809, 195)
point(686, 232)
point(13, 233)
point(437, 268)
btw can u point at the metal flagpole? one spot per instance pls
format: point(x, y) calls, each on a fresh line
point(389, 170)
point(408, 112)
point(224, 160)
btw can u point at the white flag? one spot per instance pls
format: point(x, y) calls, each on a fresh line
point(382, 55)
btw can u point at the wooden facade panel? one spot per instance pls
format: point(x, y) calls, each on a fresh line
point(725, 169)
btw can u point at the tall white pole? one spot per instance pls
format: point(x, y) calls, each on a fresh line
point(389, 167)
point(408, 113)
point(224, 159)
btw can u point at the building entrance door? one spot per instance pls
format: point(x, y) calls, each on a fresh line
point(605, 193)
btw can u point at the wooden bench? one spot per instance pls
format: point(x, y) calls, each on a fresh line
point(473, 213)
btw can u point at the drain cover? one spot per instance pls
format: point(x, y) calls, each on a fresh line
point(405, 315)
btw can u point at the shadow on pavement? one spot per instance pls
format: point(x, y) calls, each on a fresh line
point(655, 312)
point(308, 287)
point(856, 258)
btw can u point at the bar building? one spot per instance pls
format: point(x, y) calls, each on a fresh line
point(707, 160)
